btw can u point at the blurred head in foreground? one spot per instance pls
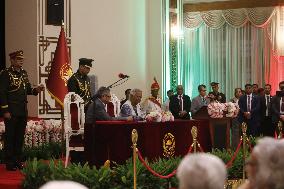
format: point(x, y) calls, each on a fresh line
point(201, 170)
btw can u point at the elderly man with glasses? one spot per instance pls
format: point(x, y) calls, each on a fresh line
point(97, 109)
point(199, 101)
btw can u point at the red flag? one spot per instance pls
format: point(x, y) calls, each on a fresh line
point(60, 71)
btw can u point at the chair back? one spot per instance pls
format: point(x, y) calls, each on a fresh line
point(74, 115)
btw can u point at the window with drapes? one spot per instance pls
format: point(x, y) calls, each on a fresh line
point(232, 47)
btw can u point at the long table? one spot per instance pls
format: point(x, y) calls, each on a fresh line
point(111, 140)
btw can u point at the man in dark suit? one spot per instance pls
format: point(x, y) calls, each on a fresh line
point(219, 96)
point(97, 109)
point(267, 128)
point(180, 104)
point(199, 101)
point(278, 105)
point(249, 111)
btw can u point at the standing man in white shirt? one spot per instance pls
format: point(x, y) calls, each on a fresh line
point(249, 111)
point(267, 128)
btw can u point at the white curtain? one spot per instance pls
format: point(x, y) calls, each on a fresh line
point(232, 47)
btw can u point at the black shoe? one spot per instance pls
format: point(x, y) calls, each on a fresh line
point(11, 167)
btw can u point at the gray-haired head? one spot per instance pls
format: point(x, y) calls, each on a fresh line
point(268, 154)
point(63, 185)
point(102, 91)
point(135, 91)
point(201, 170)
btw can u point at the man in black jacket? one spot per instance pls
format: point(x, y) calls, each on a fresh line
point(79, 82)
point(267, 128)
point(278, 105)
point(14, 88)
point(180, 104)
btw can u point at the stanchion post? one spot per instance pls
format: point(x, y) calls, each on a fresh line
point(244, 130)
point(280, 128)
point(134, 138)
point(194, 133)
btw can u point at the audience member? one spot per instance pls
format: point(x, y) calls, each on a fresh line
point(219, 96)
point(132, 106)
point(63, 185)
point(267, 128)
point(97, 109)
point(180, 104)
point(199, 101)
point(201, 171)
point(166, 105)
point(265, 166)
point(250, 111)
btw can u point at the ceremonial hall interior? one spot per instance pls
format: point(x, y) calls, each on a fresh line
point(142, 94)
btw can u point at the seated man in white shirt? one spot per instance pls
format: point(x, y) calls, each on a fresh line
point(132, 107)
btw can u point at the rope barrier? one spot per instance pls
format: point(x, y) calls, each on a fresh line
point(152, 171)
point(229, 164)
point(190, 149)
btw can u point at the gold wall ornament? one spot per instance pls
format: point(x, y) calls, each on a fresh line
point(169, 145)
point(65, 72)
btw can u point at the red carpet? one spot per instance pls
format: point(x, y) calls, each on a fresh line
point(10, 179)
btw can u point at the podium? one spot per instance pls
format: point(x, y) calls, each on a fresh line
point(219, 128)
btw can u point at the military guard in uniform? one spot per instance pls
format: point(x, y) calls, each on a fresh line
point(219, 96)
point(79, 82)
point(153, 103)
point(14, 88)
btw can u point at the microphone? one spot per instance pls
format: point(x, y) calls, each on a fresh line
point(123, 76)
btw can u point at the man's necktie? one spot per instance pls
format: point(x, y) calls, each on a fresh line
point(203, 101)
point(267, 105)
point(180, 102)
point(249, 102)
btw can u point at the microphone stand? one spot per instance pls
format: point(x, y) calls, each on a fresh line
point(118, 82)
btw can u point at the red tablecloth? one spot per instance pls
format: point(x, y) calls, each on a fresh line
point(112, 139)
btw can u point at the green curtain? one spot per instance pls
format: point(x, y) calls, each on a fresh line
point(228, 55)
